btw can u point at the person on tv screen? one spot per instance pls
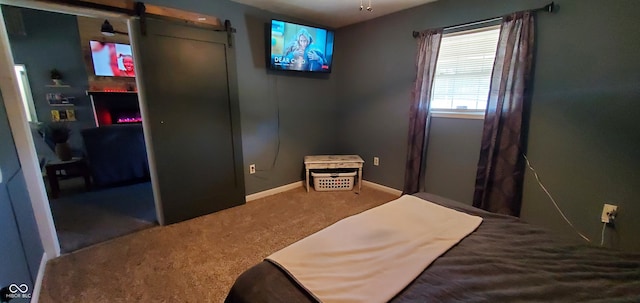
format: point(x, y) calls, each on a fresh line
point(302, 54)
point(105, 57)
point(127, 62)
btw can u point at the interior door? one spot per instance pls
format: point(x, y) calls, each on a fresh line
point(188, 87)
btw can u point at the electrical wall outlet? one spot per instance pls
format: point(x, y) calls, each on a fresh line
point(252, 169)
point(607, 211)
point(376, 161)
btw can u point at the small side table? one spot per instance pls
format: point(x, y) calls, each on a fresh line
point(334, 162)
point(78, 164)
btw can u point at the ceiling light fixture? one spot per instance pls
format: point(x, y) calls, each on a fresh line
point(107, 29)
point(369, 8)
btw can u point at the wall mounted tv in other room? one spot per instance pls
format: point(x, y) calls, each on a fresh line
point(299, 47)
point(112, 59)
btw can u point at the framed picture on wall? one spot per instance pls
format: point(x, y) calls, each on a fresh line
point(63, 115)
point(59, 99)
point(71, 115)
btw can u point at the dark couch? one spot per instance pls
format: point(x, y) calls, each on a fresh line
point(116, 154)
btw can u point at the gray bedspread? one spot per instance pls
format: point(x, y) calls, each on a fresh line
point(504, 260)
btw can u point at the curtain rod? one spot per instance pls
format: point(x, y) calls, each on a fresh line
point(547, 8)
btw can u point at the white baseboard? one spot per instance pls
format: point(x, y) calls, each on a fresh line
point(382, 188)
point(35, 295)
point(293, 185)
point(274, 191)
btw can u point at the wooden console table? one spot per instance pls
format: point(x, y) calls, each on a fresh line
point(334, 162)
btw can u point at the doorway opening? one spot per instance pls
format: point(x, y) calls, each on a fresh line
point(103, 191)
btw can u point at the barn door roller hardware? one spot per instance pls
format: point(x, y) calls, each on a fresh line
point(140, 10)
point(230, 30)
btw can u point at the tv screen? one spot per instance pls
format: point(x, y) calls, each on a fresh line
point(112, 59)
point(300, 48)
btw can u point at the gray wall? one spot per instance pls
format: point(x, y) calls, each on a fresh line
point(21, 247)
point(583, 133)
point(452, 157)
point(307, 105)
point(52, 41)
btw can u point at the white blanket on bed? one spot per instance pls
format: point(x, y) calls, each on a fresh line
point(372, 256)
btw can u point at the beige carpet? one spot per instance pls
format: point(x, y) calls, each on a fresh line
point(197, 260)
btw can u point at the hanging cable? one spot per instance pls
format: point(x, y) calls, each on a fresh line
point(275, 158)
point(552, 199)
point(277, 148)
point(604, 225)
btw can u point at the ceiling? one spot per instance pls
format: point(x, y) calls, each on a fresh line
point(333, 13)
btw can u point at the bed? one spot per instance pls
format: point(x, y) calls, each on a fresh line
point(503, 260)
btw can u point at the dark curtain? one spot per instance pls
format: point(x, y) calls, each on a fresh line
point(428, 47)
point(500, 167)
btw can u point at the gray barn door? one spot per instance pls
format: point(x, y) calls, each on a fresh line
point(191, 112)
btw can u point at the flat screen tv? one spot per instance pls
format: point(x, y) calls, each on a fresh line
point(299, 47)
point(112, 59)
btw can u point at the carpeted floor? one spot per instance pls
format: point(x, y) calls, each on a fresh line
point(197, 260)
point(85, 218)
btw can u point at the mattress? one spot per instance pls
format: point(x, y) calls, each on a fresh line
point(504, 260)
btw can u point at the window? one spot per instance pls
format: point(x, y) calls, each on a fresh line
point(25, 93)
point(463, 70)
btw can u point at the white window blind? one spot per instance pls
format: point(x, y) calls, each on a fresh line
point(463, 70)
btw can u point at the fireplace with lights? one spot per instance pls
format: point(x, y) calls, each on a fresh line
point(114, 107)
